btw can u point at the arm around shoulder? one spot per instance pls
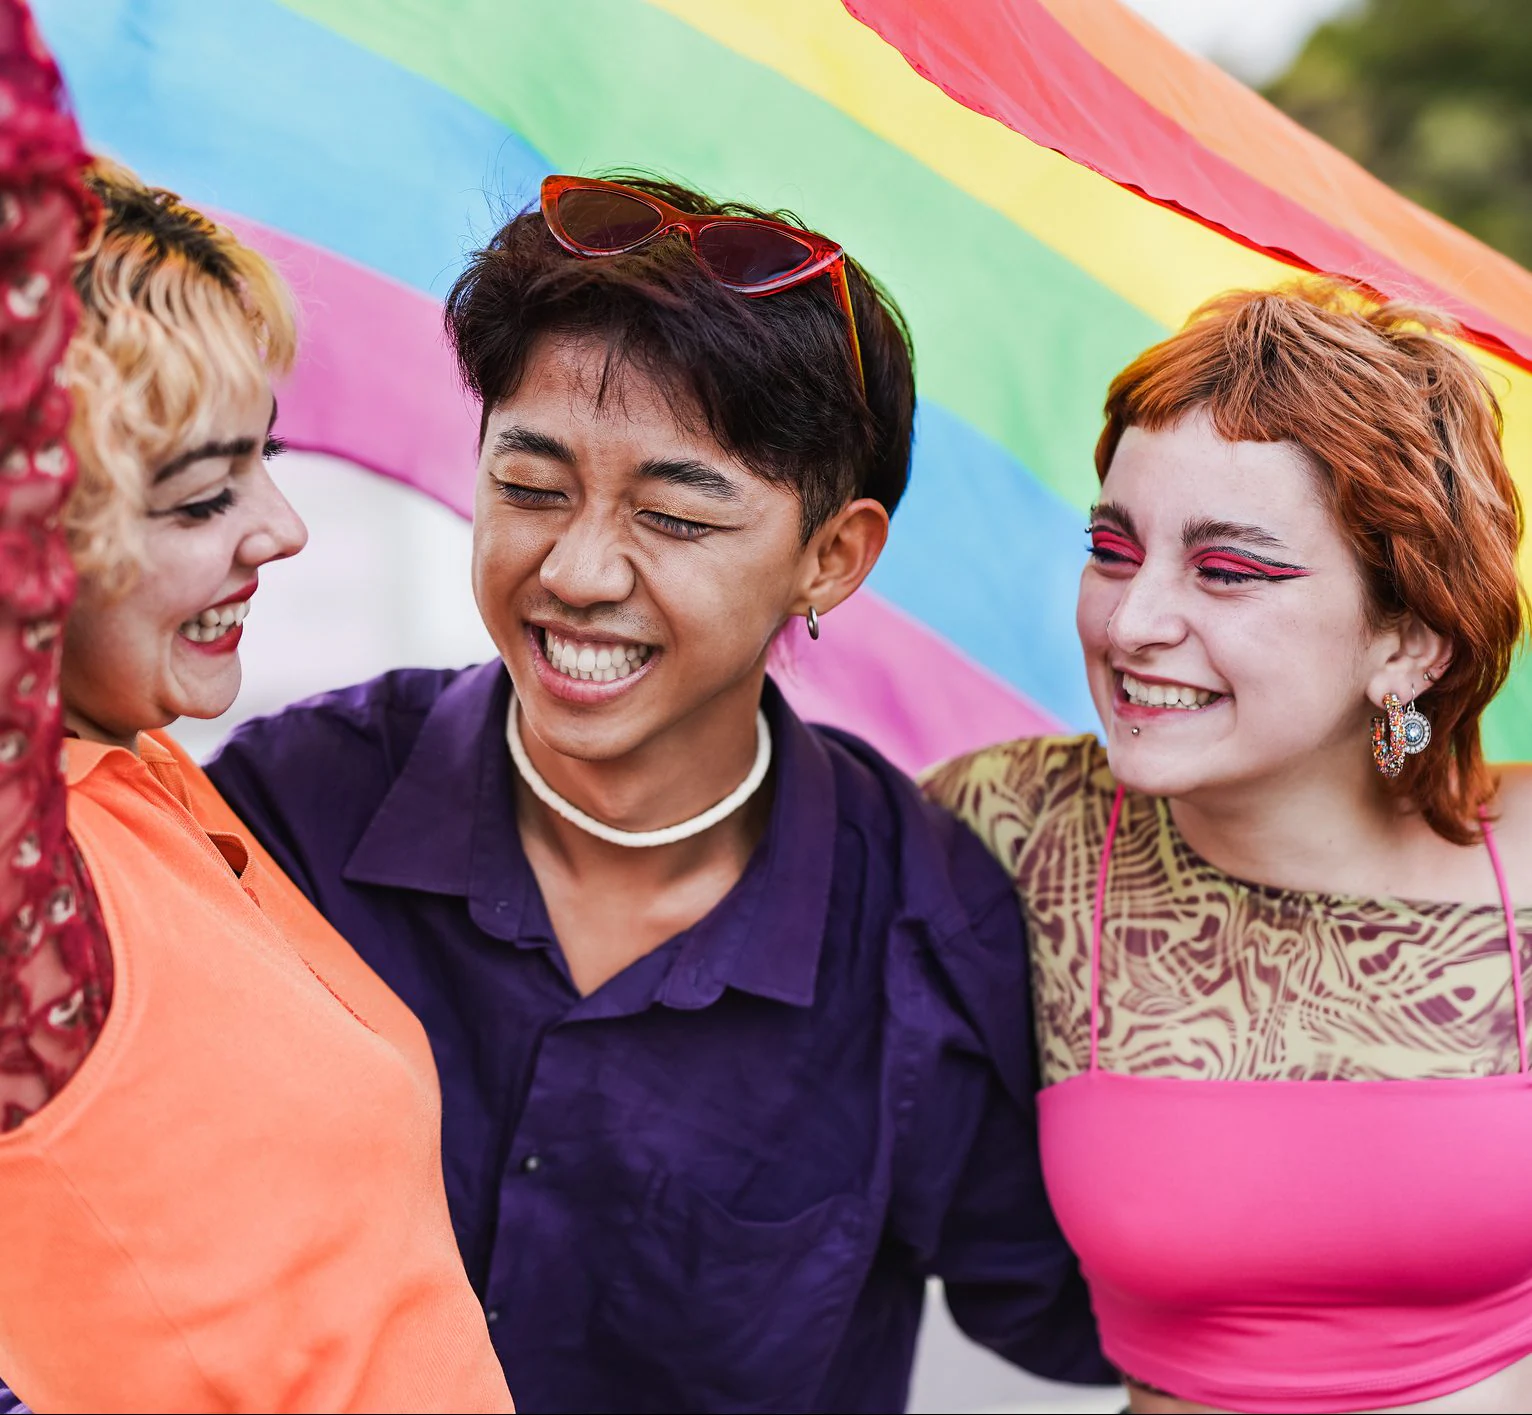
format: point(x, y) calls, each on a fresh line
point(1012, 1282)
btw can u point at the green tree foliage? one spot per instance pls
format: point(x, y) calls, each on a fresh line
point(1434, 97)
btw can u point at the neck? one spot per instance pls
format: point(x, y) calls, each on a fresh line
point(1330, 828)
point(89, 731)
point(672, 778)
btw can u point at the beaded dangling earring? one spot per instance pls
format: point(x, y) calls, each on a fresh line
point(1399, 733)
point(1388, 737)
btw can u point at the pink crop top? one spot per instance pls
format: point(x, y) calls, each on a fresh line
point(1298, 1246)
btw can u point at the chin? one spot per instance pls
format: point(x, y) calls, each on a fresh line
point(581, 736)
point(1153, 770)
point(205, 706)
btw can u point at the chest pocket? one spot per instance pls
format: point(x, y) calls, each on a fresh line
point(729, 1313)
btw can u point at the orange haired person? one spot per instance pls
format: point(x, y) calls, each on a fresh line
point(220, 1181)
point(1280, 922)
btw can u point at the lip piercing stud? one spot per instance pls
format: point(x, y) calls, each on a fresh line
point(1134, 731)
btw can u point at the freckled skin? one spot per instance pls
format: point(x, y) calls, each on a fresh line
point(1295, 657)
point(1276, 781)
point(126, 667)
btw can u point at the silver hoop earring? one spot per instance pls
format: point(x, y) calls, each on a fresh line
point(812, 620)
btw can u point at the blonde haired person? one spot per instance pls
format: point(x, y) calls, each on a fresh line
point(220, 1180)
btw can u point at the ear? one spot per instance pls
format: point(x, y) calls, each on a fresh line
point(840, 555)
point(1405, 654)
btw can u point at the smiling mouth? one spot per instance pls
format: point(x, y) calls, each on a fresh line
point(213, 624)
point(592, 661)
point(1180, 696)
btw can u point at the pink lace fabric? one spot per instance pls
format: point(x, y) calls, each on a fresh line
point(55, 969)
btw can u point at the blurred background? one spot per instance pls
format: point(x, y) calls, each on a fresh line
point(1432, 96)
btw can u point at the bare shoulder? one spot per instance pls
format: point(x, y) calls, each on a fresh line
point(1513, 826)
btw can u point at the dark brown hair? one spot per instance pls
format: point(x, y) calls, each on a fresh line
point(772, 377)
point(1405, 435)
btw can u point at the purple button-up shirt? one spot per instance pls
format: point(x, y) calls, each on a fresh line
point(719, 1181)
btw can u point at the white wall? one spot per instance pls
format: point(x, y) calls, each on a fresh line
point(383, 583)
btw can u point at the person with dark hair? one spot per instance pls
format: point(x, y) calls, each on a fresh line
point(731, 1023)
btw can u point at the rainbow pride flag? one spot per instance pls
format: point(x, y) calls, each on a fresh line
point(1046, 186)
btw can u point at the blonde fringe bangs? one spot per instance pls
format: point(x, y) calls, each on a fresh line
point(166, 342)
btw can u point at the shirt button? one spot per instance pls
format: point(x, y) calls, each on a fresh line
point(531, 1164)
point(491, 1315)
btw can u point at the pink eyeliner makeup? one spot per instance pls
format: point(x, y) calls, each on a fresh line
point(1236, 562)
point(1103, 538)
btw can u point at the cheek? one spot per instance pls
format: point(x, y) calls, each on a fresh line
point(1095, 606)
point(726, 600)
point(112, 653)
point(1300, 646)
point(507, 550)
point(185, 569)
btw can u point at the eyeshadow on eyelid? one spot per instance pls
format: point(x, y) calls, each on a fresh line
point(1241, 565)
point(1104, 538)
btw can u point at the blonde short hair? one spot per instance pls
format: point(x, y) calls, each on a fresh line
point(179, 318)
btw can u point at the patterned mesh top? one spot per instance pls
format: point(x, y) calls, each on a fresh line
point(1205, 976)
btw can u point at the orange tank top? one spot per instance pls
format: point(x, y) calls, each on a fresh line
point(236, 1203)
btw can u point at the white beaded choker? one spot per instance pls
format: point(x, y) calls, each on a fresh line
point(640, 839)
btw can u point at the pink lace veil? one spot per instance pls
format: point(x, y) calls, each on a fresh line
point(54, 964)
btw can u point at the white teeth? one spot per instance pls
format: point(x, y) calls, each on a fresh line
point(591, 663)
point(1172, 695)
point(213, 624)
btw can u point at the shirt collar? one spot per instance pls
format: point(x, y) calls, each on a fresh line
point(448, 826)
point(423, 835)
point(81, 756)
point(777, 916)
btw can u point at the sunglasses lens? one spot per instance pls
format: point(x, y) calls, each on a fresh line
point(606, 221)
point(739, 253)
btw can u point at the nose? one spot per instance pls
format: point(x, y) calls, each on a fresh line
point(1147, 614)
point(587, 564)
point(276, 530)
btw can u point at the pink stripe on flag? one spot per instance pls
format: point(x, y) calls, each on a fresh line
point(374, 383)
point(886, 677)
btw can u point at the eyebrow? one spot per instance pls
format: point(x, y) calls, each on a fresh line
point(1202, 530)
point(209, 451)
point(529, 440)
point(239, 447)
point(674, 471)
point(687, 472)
point(1116, 515)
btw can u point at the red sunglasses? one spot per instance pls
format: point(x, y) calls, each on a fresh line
point(756, 257)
